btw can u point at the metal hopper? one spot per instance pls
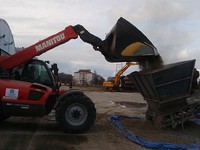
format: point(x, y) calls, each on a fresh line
point(166, 90)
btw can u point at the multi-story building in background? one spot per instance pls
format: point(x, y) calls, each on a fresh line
point(83, 77)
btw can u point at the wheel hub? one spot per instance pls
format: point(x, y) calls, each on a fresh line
point(76, 114)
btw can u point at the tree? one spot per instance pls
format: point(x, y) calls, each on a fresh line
point(98, 80)
point(65, 78)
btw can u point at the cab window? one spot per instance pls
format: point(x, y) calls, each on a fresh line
point(34, 72)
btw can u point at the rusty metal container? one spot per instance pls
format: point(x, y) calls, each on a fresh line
point(165, 89)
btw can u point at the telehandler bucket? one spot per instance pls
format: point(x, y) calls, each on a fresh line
point(126, 43)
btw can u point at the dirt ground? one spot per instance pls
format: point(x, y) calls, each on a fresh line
point(21, 133)
point(132, 104)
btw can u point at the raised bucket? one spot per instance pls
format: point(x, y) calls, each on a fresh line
point(127, 43)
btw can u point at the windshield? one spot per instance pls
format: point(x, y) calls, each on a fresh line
point(35, 71)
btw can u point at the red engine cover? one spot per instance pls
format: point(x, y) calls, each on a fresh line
point(20, 92)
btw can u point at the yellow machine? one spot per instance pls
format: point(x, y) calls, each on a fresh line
point(114, 83)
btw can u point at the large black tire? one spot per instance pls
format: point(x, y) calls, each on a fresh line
point(2, 116)
point(76, 113)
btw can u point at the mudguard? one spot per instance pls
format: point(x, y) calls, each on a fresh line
point(68, 94)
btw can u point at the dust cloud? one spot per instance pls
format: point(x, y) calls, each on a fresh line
point(150, 63)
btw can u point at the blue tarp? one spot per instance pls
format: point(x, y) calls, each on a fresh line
point(116, 122)
point(196, 121)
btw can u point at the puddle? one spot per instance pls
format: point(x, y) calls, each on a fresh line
point(130, 104)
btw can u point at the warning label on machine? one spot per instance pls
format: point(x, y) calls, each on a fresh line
point(11, 93)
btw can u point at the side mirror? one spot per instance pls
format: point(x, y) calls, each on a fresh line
point(54, 68)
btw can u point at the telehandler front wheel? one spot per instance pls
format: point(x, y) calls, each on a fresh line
point(76, 114)
point(2, 116)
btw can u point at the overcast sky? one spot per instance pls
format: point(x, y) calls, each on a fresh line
point(173, 26)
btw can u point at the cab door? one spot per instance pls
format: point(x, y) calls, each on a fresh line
point(38, 71)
